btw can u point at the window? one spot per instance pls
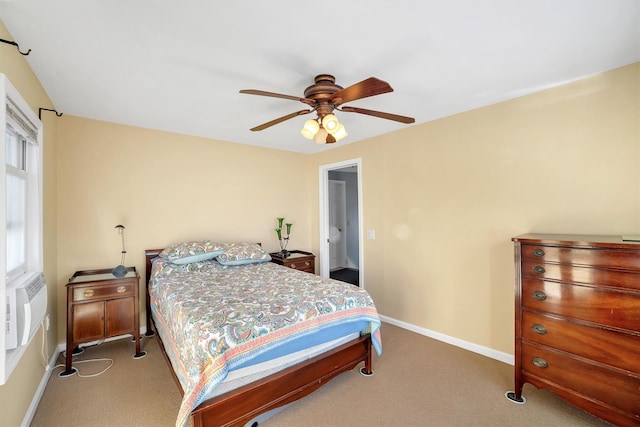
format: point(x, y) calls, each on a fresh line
point(23, 200)
point(20, 212)
point(16, 154)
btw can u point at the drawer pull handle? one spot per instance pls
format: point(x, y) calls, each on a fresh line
point(539, 295)
point(121, 289)
point(539, 329)
point(89, 293)
point(293, 266)
point(539, 362)
point(307, 263)
point(538, 269)
point(538, 253)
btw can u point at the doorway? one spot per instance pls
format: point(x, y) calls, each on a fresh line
point(341, 222)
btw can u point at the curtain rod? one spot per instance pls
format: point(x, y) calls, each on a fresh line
point(16, 45)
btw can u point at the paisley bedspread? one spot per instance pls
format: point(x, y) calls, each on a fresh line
point(219, 317)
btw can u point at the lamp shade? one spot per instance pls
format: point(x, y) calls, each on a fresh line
point(321, 136)
point(340, 133)
point(330, 123)
point(310, 128)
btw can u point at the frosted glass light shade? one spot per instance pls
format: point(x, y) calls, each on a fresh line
point(330, 123)
point(321, 137)
point(340, 133)
point(310, 128)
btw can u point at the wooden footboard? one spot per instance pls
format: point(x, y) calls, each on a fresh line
point(239, 406)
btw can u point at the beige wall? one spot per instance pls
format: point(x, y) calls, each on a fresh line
point(446, 197)
point(17, 393)
point(165, 188)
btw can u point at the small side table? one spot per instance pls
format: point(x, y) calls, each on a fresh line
point(298, 260)
point(100, 305)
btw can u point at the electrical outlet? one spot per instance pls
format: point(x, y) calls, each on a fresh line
point(47, 322)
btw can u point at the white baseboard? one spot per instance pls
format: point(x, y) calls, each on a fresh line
point(485, 351)
point(31, 411)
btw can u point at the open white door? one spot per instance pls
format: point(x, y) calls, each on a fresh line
point(337, 224)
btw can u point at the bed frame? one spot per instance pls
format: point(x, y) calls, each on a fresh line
point(238, 407)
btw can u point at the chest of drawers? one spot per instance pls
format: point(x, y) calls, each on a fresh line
point(577, 321)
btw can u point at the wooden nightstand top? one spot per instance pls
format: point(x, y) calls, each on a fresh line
point(83, 276)
point(293, 255)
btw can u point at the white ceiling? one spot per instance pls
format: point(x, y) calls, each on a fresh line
point(178, 65)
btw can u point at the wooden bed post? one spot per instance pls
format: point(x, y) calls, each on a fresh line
point(150, 254)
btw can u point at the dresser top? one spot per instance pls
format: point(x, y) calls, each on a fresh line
point(629, 241)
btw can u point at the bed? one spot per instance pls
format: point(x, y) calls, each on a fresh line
point(244, 336)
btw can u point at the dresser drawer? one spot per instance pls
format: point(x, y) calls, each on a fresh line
point(305, 265)
point(614, 308)
point(622, 259)
point(586, 275)
point(298, 260)
point(605, 346)
point(100, 292)
point(606, 385)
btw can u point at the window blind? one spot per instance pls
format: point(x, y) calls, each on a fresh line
point(20, 123)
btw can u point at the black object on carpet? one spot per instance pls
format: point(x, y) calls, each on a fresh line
point(348, 275)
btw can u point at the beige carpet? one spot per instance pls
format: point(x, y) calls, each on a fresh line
point(133, 392)
point(418, 381)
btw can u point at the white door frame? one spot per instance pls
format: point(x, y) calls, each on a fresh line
point(324, 215)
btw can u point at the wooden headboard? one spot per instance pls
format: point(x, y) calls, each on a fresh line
point(149, 255)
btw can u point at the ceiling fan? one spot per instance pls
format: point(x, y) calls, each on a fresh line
point(325, 96)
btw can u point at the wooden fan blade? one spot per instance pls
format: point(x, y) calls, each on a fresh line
point(369, 87)
point(278, 95)
point(280, 120)
point(388, 116)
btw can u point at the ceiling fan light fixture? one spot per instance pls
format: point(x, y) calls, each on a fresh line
point(330, 123)
point(321, 136)
point(340, 133)
point(324, 97)
point(310, 129)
